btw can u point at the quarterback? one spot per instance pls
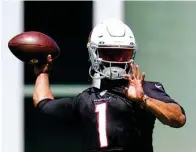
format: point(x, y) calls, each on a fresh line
point(120, 115)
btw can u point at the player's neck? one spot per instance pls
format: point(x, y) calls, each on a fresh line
point(114, 85)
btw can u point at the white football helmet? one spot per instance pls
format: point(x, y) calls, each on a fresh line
point(111, 48)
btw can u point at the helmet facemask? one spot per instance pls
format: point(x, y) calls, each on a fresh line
point(110, 62)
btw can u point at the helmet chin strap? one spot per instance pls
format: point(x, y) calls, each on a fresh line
point(97, 77)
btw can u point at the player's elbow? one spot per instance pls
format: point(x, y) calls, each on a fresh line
point(177, 122)
point(176, 116)
point(181, 121)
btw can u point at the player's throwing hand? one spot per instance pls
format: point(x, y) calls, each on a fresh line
point(43, 67)
point(135, 88)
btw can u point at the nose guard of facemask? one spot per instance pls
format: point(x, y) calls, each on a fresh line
point(114, 72)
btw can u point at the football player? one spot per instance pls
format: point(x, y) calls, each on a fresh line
point(120, 115)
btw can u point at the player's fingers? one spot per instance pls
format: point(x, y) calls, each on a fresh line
point(143, 76)
point(137, 72)
point(132, 70)
point(126, 76)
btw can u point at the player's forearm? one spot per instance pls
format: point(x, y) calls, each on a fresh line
point(168, 113)
point(42, 89)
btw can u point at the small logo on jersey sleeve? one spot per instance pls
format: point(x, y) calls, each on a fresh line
point(158, 86)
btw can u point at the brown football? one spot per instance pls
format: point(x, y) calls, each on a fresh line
point(33, 47)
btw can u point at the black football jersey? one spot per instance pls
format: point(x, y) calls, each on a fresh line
point(107, 120)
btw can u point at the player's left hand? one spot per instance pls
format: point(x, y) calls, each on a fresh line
point(135, 87)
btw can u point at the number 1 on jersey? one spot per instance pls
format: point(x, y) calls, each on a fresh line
point(100, 109)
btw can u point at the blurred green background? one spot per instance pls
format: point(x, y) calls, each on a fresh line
point(166, 35)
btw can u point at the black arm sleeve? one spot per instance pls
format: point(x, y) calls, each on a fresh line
point(60, 109)
point(156, 90)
